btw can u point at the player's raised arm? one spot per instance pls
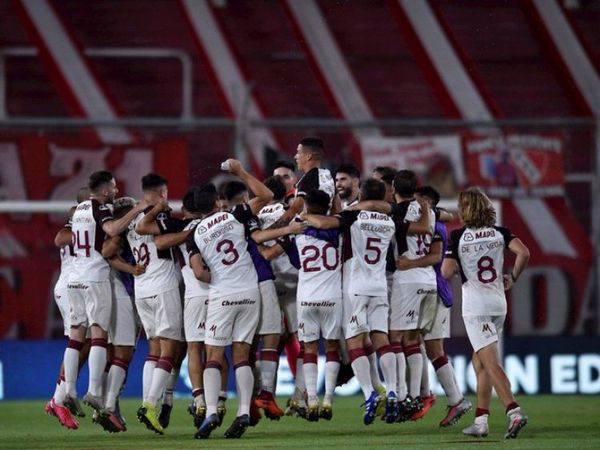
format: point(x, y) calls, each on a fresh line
point(262, 194)
point(115, 227)
point(148, 223)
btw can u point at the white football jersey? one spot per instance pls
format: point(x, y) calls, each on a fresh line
point(282, 267)
point(413, 246)
point(320, 276)
point(366, 241)
point(480, 255)
point(161, 272)
point(88, 237)
point(67, 254)
point(193, 286)
point(221, 240)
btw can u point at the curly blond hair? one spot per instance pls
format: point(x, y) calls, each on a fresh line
point(475, 209)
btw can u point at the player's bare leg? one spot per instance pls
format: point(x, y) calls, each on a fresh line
point(269, 358)
point(332, 368)
point(309, 366)
point(195, 371)
point(389, 367)
point(488, 356)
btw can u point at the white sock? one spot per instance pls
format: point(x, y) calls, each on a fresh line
point(212, 384)
point(60, 392)
point(375, 379)
point(415, 366)
point(445, 374)
point(401, 380)
point(71, 363)
point(481, 419)
point(268, 369)
point(147, 373)
point(332, 368)
point(115, 380)
point(97, 364)
point(161, 375)
point(310, 375)
point(300, 382)
point(170, 387)
point(362, 372)
point(389, 369)
point(244, 381)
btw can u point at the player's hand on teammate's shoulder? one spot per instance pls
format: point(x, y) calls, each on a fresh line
point(424, 204)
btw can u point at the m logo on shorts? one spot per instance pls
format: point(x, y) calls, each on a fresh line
point(202, 326)
point(354, 319)
point(213, 328)
point(411, 314)
point(301, 326)
point(486, 328)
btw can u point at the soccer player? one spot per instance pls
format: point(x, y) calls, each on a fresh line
point(434, 339)
point(347, 184)
point(367, 236)
point(387, 175)
point(89, 288)
point(478, 250)
point(157, 298)
point(319, 300)
point(234, 297)
point(63, 241)
point(123, 328)
point(287, 171)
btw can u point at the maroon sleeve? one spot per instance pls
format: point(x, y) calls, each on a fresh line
point(347, 218)
point(190, 244)
point(506, 234)
point(101, 213)
point(452, 250)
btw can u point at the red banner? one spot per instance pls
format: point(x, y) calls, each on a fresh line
point(516, 164)
point(43, 168)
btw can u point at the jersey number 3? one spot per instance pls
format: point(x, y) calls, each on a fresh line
point(227, 247)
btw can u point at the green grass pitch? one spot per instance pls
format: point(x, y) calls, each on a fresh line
point(555, 422)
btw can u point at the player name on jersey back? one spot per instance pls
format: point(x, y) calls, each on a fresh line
point(221, 241)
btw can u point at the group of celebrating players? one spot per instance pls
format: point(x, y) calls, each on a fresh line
point(364, 266)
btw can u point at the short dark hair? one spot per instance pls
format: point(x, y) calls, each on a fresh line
point(277, 186)
point(233, 188)
point(153, 181)
point(314, 145)
point(372, 189)
point(285, 164)
point(97, 179)
point(122, 206)
point(405, 183)
point(189, 199)
point(348, 168)
point(317, 201)
point(387, 173)
point(205, 198)
point(430, 192)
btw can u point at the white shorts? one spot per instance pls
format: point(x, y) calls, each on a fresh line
point(413, 306)
point(123, 326)
point(483, 330)
point(90, 303)
point(441, 324)
point(287, 302)
point(61, 297)
point(161, 314)
point(232, 318)
point(194, 318)
point(367, 314)
point(270, 312)
point(316, 318)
